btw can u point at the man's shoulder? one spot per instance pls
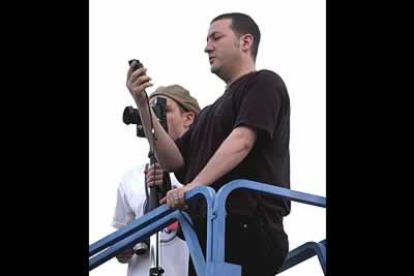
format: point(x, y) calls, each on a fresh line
point(271, 81)
point(206, 108)
point(268, 74)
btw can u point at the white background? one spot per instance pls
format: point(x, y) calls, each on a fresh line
point(169, 38)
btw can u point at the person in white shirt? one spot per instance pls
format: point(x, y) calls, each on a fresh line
point(181, 110)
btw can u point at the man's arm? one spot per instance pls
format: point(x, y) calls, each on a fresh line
point(165, 149)
point(231, 153)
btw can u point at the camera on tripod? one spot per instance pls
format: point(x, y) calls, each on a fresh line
point(131, 116)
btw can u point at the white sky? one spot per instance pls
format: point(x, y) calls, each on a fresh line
point(168, 37)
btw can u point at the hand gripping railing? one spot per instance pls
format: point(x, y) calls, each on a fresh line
point(143, 227)
point(218, 266)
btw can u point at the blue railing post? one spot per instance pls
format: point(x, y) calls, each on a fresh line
point(219, 210)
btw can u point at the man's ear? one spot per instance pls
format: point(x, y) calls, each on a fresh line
point(188, 119)
point(246, 42)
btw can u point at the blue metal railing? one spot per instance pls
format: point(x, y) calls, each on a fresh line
point(143, 227)
point(214, 264)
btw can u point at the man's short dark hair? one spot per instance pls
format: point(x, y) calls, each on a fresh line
point(242, 24)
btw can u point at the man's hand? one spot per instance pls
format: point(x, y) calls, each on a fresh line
point(157, 178)
point(137, 82)
point(125, 256)
point(175, 197)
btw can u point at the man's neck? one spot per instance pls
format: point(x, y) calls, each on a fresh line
point(239, 75)
point(247, 68)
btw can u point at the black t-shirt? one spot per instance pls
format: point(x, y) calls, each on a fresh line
point(260, 101)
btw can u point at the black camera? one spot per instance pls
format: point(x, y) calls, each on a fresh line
point(131, 115)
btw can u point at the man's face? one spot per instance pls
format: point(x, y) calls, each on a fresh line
point(222, 47)
point(175, 120)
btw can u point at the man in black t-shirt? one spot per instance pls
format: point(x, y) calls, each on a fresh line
point(243, 135)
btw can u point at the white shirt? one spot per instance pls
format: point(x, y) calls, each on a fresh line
point(129, 206)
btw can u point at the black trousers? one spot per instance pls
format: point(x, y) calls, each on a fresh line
point(251, 243)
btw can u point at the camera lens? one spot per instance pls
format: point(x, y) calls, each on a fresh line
point(131, 116)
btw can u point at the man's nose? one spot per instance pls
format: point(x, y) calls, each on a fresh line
point(208, 48)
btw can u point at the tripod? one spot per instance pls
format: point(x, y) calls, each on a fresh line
point(153, 202)
point(131, 115)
